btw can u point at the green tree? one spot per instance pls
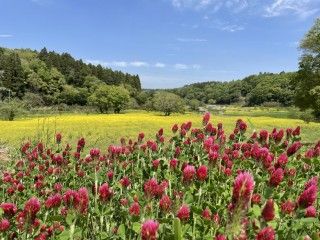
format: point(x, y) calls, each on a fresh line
point(168, 103)
point(48, 82)
point(12, 74)
point(92, 83)
point(272, 88)
point(194, 104)
point(143, 97)
point(119, 98)
point(108, 97)
point(307, 81)
point(72, 95)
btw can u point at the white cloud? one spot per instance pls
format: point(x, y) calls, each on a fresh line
point(139, 64)
point(180, 66)
point(160, 65)
point(213, 5)
point(267, 8)
point(237, 5)
point(124, 64)
point(191, 40)
point(196, 66)
point(108, 64)
point(227, 26)
point(302, 8)
point(294, 44)
point(206, 17)
point(192, 3)
point(232, 28)
point(6, 35)
point(119, 64)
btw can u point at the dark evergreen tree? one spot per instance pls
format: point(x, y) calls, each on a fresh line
point(12, 74)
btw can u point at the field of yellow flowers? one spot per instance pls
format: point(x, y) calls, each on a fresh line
point(104, 129)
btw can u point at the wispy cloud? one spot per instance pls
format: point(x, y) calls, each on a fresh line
point(198, 4)
point(267, 8)
point(191, 40)
point(118, 64)
point(160, 65)
point(232, 28)
point(213, 5)
point(108, 64)
point(294, 44)
point(226, 26)
point(138, 64)
point(196, 66)
point(6, 35)
point(180, 66)
point(302, 8)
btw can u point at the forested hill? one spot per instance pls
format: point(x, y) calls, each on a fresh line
point(55, 78)
point(50, 78)
point(263, 88)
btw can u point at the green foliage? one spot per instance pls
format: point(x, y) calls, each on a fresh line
point(255, 89)
point(311, 41)
point(307, 116)
point(48, 82)
point(271, 88)
point(307, 81)
point(32, 100)
point(194, 104)
point(12, 74)
point(10, 109)
point(58, 78)
point(76, 71)
point(133, 104)
point(72, 95)
point(168, 103)
point(109, 97)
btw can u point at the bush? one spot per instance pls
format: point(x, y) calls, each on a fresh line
point(194, 104)
point(271, 104)
point(307, 116)
point(132, 104)
point(32, 100)
point(10, 109)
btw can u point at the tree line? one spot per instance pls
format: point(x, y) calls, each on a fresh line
point(260, 89)
point(48, 78)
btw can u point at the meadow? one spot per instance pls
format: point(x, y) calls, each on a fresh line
point(193, 181)
point(104, 129)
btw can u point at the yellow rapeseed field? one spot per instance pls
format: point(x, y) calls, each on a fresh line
point(104, 129)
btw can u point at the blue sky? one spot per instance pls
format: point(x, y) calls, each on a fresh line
point(169, 43)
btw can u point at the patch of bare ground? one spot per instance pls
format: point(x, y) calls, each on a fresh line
point(4, 154)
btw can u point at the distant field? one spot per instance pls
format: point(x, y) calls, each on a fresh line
point(102, 130)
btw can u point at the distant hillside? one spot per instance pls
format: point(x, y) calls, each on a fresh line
point(49, 78)
point(263, 88)
point(52, 78)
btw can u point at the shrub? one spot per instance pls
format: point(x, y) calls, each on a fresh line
point(307, 116)
point(10, 109)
